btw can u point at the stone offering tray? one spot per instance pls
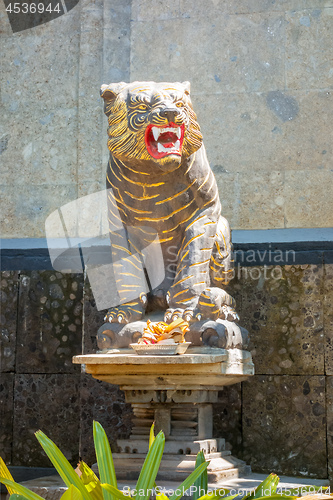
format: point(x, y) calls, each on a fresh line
point(176, 392)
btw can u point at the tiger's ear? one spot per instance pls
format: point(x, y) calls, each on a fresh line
point(110, 92)
point(187, 87)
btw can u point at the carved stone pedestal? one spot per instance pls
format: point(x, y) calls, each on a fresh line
point(177, 392)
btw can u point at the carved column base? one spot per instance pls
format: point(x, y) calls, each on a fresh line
point(186, 418)
point(177, 393)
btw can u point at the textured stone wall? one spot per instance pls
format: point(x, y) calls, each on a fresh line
point(281, 420)
point(261, 84)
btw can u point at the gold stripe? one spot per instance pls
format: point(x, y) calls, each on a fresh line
point(138, 251)
point(175, 196)
point(202, 249)
point(121, 248)
point(198, 218)
point(137, 183)
point(218, 247)
point(116, 206)
point(199, 263)
point(132, 303)
point(185, 300)
point(128, 260)
point(129, 274)
point(166, 217)
point(158, 240)
point(179, 271)
point(216, 263)
point(204, 182)
point(200, 283)
point(206, 296)
point(168, 230)
point(116, 176)
point(141, 198)
point(194, 238)
point(112, 232)
point(178, 293)
point(132, 170)
point(210, 201)
point(114, 215)
point(190, 166)
point(132, 209)
point(135, 310)
point(182, 280)
point(207, 223)
point(184, 256)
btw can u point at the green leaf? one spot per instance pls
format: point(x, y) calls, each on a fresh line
point(266, 488)
point(90, 481)
point(21, 490)
point(64, 468)
point(4, 472)
point(230, 497)
point(200, 484)
point(152, 435)
point(17, 496)
point(71, 494)
point(150, 468)
point(115, 492)
point(105, 463)
point(161, 496)
point(189, 481)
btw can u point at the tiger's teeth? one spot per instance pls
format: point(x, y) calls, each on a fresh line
point(178, 132)
point(177, 145)
point(156, 133)
point(161, 149)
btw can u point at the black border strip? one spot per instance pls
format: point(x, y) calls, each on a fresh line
point(251, 248)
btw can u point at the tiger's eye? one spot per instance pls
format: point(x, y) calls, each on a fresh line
point(143, 107)
point(179, 104)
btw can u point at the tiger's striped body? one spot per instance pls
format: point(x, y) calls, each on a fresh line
point(167, 189)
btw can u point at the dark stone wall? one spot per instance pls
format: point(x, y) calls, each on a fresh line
point(281, 420)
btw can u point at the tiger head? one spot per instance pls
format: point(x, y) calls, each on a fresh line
point(151, 124)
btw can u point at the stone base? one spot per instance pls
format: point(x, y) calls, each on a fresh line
point(178, 467)
point(220, 333)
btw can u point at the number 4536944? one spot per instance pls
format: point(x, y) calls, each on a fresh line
point(31, 8)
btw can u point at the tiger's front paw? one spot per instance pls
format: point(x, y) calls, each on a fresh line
point(188, 314)
point(129, 312)
point(228, 313)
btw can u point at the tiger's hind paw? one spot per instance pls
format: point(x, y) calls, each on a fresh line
point(127, 313)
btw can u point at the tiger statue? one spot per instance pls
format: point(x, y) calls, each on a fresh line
point(161, 183)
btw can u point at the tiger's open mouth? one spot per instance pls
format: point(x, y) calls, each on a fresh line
point(164, 141)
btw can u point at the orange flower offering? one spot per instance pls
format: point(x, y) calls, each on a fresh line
point(162, 333)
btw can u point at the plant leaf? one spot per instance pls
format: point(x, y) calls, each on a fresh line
point(152, 435)
point(105, 463)
point(161, 496)
point(269, 484)
point(115, 492)
point(4, 472)
point(189, 481)
point(200, 484)
point(64, 468)
point(90, 481)
point(17, 496)
point(150, 467)
point(71, 494)
point(21, 490)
